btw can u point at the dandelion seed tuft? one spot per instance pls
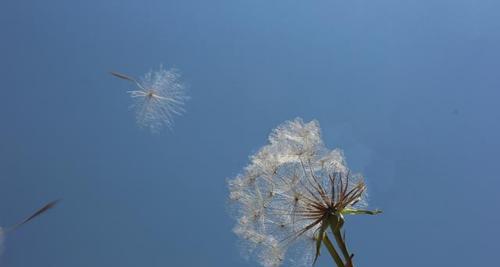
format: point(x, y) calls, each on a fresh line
point(159, 97)
point(287, 192)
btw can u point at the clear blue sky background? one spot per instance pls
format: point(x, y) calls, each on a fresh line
point(409, 89)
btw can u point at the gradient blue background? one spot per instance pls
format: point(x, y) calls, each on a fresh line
point(409, 89)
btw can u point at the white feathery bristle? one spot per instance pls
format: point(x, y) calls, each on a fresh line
point(273, 255)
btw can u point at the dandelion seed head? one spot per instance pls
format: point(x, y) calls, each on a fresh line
point(288, 187)
point(159, 97)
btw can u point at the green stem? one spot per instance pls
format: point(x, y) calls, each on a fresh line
point(343, 248)
point(333, 252)
point(336, 223)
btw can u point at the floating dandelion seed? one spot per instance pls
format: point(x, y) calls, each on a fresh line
point(293, 190)
point(37, 213)
point(159, 97)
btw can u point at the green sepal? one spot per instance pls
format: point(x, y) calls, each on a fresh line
point(357, 212)
point(319, 240)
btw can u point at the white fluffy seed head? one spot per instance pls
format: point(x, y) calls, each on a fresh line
point(159, 97)
point(272, 197)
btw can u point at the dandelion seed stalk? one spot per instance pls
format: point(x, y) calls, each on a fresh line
point(37, 213)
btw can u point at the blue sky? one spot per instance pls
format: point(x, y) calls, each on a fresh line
point(409, 90)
